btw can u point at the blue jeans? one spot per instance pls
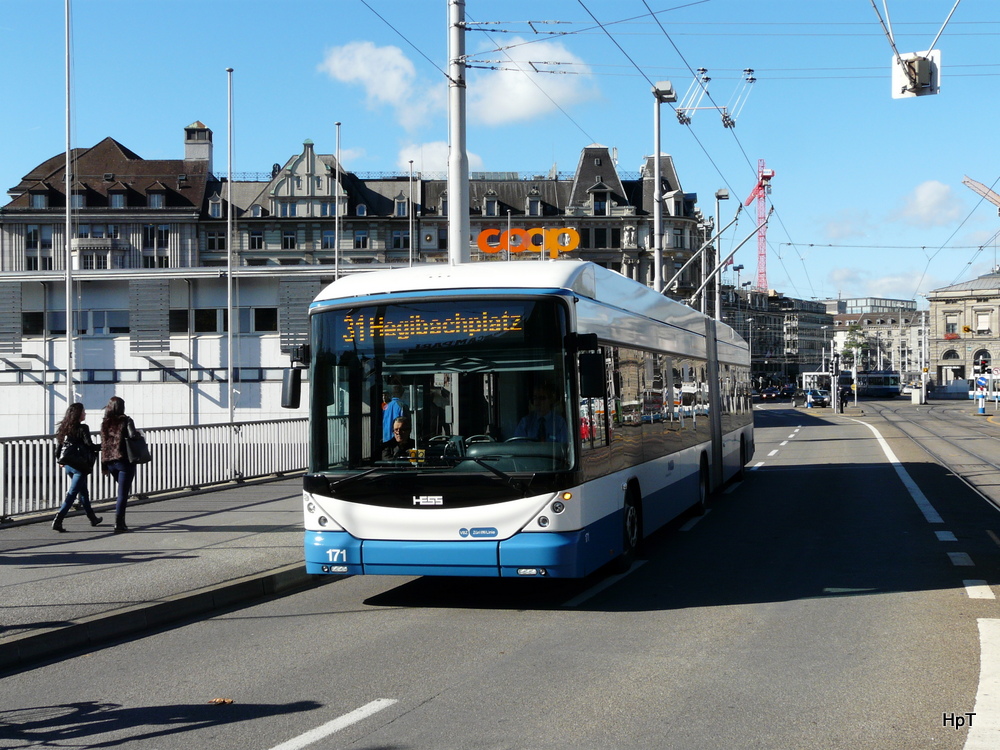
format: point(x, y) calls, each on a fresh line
point(77, 488)
point(123, 472)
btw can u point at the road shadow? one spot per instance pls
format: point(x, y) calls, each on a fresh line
point(786, 533)
point(77, 723)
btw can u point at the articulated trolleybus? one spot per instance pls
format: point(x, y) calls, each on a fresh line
point(534, 447)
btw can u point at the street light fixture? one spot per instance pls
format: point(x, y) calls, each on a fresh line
point(663, 91)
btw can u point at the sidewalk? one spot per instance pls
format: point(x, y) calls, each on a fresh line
point(185, 556)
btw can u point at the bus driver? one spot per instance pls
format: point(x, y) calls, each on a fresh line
point(543, 424)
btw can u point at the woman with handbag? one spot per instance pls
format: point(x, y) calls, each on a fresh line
point(76, 453)
point(116, 428)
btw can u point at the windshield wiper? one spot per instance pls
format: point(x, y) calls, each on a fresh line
point(516, 484)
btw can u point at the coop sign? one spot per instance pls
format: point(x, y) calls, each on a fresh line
point(550, 240)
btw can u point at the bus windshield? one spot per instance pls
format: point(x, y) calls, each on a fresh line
point(477, 385)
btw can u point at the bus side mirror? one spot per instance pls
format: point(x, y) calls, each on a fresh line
point(592, 375)
point(291, 388)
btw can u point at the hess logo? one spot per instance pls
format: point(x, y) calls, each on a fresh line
point(523, 240)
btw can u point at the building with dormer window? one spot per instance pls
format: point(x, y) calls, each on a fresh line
point(150, 251)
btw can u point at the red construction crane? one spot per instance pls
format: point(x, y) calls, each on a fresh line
point(762, 189)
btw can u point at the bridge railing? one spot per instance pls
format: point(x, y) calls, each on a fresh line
point(184, 458)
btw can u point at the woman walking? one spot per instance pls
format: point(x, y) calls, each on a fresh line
point(114, 455)
point(74, 440)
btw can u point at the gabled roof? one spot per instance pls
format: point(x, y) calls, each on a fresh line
point(110, 166)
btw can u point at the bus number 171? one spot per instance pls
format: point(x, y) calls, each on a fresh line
point(337, 555)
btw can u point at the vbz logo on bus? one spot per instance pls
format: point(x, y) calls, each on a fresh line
point(519, 240)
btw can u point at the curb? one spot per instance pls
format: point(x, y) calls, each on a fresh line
point(96, 630)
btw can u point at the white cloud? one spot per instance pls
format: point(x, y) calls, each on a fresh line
point(848, 224)
point(518, 93)
point(388, 77)
point(430, 157)
point(931, 204)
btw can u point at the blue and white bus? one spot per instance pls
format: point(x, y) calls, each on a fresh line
point(470, 352)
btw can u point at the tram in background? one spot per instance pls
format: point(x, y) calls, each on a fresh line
point(473, 351)
point(872, 383)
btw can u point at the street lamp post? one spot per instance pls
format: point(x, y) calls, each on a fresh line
point(663, 91)
point(720, 195)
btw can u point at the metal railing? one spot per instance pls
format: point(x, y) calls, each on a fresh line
point(184, 458)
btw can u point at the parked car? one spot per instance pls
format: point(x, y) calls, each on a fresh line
point(770, 394)
point(802, 397)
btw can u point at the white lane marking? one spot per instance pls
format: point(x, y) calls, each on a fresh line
point(977, 589)
point(576, 601)
point(772, 453)
point(918, 497)
point(792, 435)
point(783, 443)
point(984, 731)
point(756, 466)
point(315, 735)
point(945, 536)
point(961, 559)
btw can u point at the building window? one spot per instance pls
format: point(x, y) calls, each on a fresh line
point(400, 207)
point(177, 321)
point(329, 239)
point(328, 208)
point(360, 239)
point(116, 200)
point(256, 211)
point(491, 206)
point(289, 210)
point(288, 239)
point(32, 324)
point(678, 239)
point(600, 237)
point(215, 241)
point(600, 204)
point(39, 200)
point(156, 200)
point(444, 206)
point(256, 239)
point(534, 207)
point(400, 239)
point(443, 238)
point(265, 319)
point(215, 209)
point(206, 320)
point(78, 200)
point(361, 210)
point(982, 322)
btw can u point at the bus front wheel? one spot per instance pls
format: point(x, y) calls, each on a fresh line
point(631, 532)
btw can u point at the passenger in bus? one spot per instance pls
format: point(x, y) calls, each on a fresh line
point(392, 410)
point(542, 423)
point(400, 444)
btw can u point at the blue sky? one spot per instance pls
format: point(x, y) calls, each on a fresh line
point(867, 192)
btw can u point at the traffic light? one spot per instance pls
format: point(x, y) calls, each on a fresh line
point(980, 367)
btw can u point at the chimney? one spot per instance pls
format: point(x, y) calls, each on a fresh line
point(198, 144)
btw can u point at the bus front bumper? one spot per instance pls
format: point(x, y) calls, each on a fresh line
point(526, 555)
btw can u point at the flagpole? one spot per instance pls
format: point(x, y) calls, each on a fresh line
point(70, 367)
